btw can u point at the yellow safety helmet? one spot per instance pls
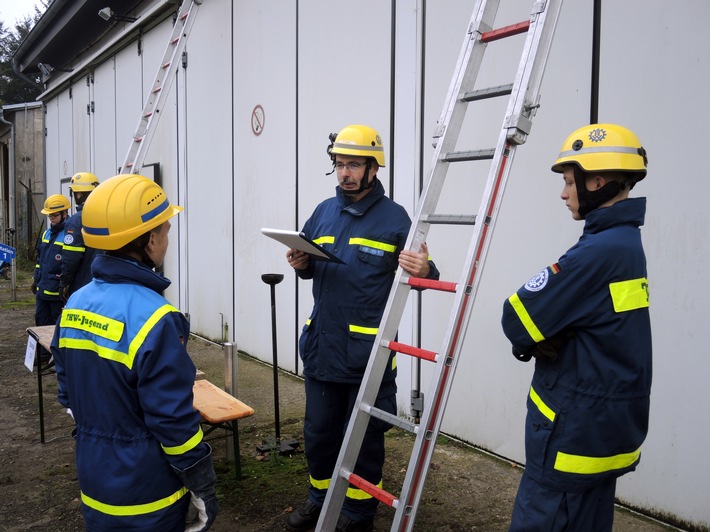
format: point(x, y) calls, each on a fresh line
point(603, 148)
point(55, 203)
point(83, 182)
point(358, 140)
point(123, 208)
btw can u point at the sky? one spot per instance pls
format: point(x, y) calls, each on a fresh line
point(11, 10)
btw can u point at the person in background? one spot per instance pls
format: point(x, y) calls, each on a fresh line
point(45, 283)
point(367, 231)
point(125, 376)
point(585, 319)
point(76, 256)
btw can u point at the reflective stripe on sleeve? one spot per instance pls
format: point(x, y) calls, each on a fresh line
point(590, 465)
point(185, 447)
point(133, 509)
point(525, 318)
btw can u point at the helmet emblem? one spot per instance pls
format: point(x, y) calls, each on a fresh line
point(378, 140)
point(597, 135)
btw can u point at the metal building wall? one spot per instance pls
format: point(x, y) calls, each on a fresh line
point(309, 80)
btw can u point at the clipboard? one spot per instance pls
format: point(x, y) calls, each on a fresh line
point(299, 241)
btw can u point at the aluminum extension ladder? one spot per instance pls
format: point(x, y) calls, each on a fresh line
point(133, 162)
point(522, 106)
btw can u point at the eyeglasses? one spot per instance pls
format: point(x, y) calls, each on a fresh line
point(352, 166)
point(54, 214)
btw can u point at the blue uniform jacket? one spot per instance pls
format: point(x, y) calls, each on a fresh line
point(49, 262)
point(349, 298)
point(588, 409)
point(76, 256)
point(123, 369)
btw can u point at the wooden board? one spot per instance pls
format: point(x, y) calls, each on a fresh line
point(216, 405)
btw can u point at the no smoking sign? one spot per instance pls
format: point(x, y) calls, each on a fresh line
point(257, 120)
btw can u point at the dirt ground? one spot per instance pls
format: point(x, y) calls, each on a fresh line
point(466, 490)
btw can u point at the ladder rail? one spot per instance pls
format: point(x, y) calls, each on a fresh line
point(162, 83)
point(514, 130)
point(528, 81)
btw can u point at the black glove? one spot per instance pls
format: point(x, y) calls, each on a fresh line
point(548, 349)
point(34, 287)
point(523, 357)
point(201, 479)
point(64, 293)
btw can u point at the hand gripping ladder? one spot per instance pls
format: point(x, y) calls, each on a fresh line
point(150, 115)
point(522, 105)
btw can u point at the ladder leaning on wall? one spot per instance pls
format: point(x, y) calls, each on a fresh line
point(522, 105)
point(148, 122)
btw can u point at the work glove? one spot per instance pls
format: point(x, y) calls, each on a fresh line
point(206, 512)
point(64, 293)
point(201, 479)
point(34, 287)
point(548, 349)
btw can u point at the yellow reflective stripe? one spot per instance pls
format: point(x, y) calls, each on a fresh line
point(325, 240)
point(541, 406)
point(394, 362)
point(47, 292)
point(133, 509)
point(362, 330)
point(185, 447)
point(525, 318)
point(590, 465)
point(629, 295)
point(372, 244)
point(137, 342)
point(320, 484)
point(74, 248)
point(93, 323)
point(308, 321)
point(358, 494)
point(103, 352)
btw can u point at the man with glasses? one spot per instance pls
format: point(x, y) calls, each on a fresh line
point(45, 284)
point(367, 231)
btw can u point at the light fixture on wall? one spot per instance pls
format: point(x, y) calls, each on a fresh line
point(108, 15)
point(46, 70)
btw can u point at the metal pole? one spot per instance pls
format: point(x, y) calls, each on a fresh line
point(230, 386)
point(272, 279)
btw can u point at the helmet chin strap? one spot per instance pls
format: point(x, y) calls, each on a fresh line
point(592, 199)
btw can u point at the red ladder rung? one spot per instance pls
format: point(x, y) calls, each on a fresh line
point(370, 488)
point(505, 31)
point(148, 115)
point(157, 90)
point(413, 351)
point(167, 65)
point(420, 282)
point(175, 40)
point(184, 16)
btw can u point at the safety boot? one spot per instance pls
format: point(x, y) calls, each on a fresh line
point(303, 518)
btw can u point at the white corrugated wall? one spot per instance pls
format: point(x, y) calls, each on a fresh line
point(314, 67)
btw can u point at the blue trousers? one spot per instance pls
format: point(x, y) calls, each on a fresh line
point(540, 509)
point(328, 409)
